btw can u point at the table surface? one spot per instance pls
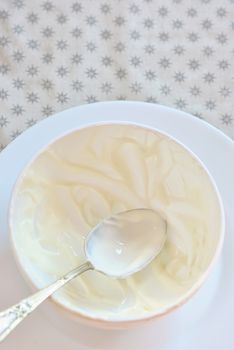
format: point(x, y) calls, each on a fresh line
point(58, 54)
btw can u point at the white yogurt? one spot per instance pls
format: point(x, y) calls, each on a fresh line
point(94, 173)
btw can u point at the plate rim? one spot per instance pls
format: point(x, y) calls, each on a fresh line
point(121, 102)
point(151, 315)
point(228, 145)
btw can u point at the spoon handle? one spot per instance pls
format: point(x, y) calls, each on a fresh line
point(12, 316)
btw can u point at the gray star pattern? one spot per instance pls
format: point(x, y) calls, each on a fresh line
point(47, 6)
point(195, 91)
point(77, 59)
point(163, 11)
point(165, 90)
point(3, 94)
point(77, 85)
point(3, 121)
point(32, 97)
point(33, 44)
point(150, 75)
point(106, 88)
point(164, 63)
point(105, 8)
point(47, 32)
point(4, 15)
point(18, 56)
point(76, 32)
point(149, 49)
point(135, 61)
point(62, 71)
point(4, 41)
point(194, 64)
point(91, 73)
point(18, 83)
point(47, 58)
point(18, 29)
point(119, 21)
point(47, 111)
point(32, 70)
point(119, 47)
point(76, 7)
point(4, 69)
point(54, 56)
point(30, 122)
point(17, 110)
point(179, 50)
point(107, 61)
point(32, 18)
point(62, 97)
point(62, 45)
point(136, 88)
point(47, 84)
point(121, 73)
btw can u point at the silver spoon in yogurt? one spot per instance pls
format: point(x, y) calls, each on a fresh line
point(119, 246)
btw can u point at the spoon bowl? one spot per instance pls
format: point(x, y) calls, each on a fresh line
point(125, 243)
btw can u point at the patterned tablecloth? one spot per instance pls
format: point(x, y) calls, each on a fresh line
point(55, 54)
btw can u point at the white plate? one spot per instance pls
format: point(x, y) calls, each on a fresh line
point(205, 321)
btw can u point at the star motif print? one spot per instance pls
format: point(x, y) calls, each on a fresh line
point(173, 52)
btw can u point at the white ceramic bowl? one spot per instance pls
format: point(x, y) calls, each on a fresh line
point(34, 277)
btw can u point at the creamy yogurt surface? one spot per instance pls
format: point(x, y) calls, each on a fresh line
point(93, 173)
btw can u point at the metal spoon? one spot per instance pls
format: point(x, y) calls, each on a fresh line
point(118, 247)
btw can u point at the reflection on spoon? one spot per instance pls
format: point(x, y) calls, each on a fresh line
point(118, 247)
point(126, 242)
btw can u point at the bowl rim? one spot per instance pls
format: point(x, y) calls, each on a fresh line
point(131, 319)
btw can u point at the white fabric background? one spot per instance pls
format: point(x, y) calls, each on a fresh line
point(56, 54)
